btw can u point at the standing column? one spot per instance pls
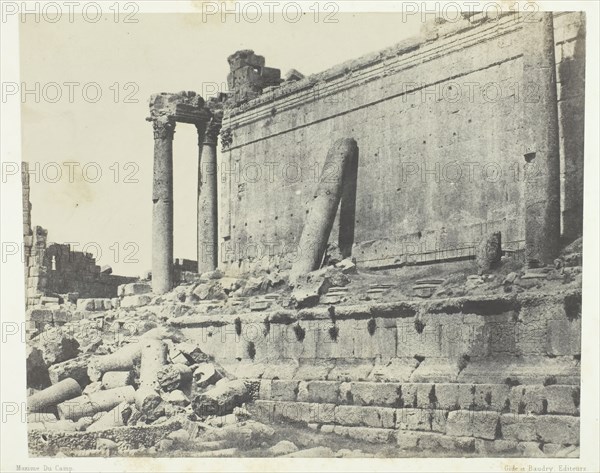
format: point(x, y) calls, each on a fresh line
point(540, 113)
point(162, 209)
point(207, 249)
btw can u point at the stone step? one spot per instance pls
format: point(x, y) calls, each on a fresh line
point(389, 424)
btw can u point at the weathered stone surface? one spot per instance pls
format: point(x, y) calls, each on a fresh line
point(318, 391)
point(221, 399)
point(75, 368)
point(138, 300)
point(491, 448)
point(205, 374)
point(284, 390)
point(562, 399)
point(472, 424)
point(490, 396)
point(434, 442)
point(116, 417)
point(174, 376)
point(38, 376)
point(284, 447)
point(153, 358)
point(366, 434)
point(91, 404)
point(178, 398)
point(558, 429)
point(56, 346)
point(123, 359)
point(380, 417)
point(117, 379)
point(517, 427)
point(136, 288)
point(376, 394)
point(420, 395)
point(489, 252)
point(420, 419)
point(315, 452)
point(53, 395)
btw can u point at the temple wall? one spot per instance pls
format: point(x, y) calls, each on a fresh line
point(441, 133)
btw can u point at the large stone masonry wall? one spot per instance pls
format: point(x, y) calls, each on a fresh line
point(54, 269)
point(489, 374)
point(441, 133)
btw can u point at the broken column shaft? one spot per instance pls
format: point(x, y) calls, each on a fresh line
point(88, 405)
point(207, 196)
point(48, 398)
point(323, 208)
point(542, 158)
point(154, 358)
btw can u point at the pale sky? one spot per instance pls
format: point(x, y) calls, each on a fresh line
point(161, 53)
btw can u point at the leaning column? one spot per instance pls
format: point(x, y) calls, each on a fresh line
point(542, 158)
point(207, 248)
point(162, 208)
point(323, 208)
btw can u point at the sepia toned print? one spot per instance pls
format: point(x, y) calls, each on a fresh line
point(380, 257)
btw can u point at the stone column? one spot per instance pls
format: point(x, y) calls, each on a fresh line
point(162, 209)
point(541, 154)
point(323, 208)
point(207, 248)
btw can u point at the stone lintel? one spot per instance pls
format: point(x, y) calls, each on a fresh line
point(183, 107)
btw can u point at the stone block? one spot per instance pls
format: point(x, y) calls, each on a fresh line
point(380, 417)
point(136, 288)
point(491, 396)
point(370, 435)
point(407, 440)
point(517, 427)
point(86, 304)
point(419, 395)
point(135, 301)
point(558, 429)
point(345, 370)
point(75, 368)
point(397, 369)
point(319, 391)
point(561, 399)
point(376, 394)
point(465, 423)
point(435, 442)
point(493, 448)
point(528, 399)
point(284, 390)
point(305, 412)
point(264, 389)
point(413, 419)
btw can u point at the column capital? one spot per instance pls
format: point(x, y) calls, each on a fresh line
point(213, 128)
point(164, 128)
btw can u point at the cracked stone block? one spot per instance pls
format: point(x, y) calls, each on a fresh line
point(319, 391)
point(376, 394)
point(558, 429)
point(491, 396)
point(417, 395)
point(517, 427)
point(465, 423)
point(75, 368)
point(284, 390)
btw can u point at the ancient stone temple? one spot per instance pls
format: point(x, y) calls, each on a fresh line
point(387, 251)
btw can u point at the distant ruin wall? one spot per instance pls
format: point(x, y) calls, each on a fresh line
point(441, 133)
point(54, 269)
